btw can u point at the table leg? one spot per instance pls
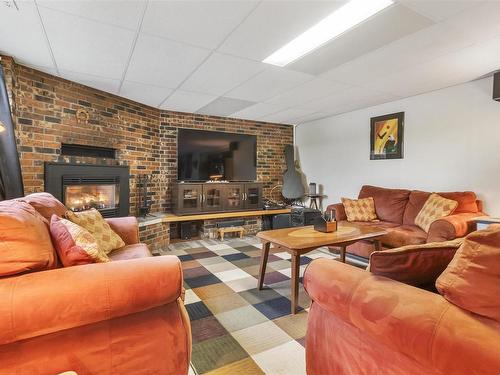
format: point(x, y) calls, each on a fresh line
point(342, 253)
point(263, 262)
point(295, 281)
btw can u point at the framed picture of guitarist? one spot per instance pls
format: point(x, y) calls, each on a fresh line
point(386, 136)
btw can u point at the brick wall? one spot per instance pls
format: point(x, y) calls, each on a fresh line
point(145, 137)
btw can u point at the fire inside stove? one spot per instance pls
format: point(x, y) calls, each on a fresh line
point(84, 197)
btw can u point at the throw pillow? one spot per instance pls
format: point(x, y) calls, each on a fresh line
point(74, 244)
point(45, 204)
point(25, 244)
point(436, 207)
point(471, 279)
point(417, 265)
point(360, 209)
point(93, 221)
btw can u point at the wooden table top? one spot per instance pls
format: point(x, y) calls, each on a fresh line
point(298, 238)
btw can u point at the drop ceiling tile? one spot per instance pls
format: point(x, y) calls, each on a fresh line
point(201, 23)
point(315, 89)
point(269, 83)
point(125, 14)
point(161, 62)
point(258, 110)
point(439, 10)
point(99, 83)
point(224, 106)
point(311, 117)
point(146, 94)
point(21, 35)
point(368, 36)
point(287, 116)
point(273, 24)
point(185, 101)
point(220, 73)
point(86, 46)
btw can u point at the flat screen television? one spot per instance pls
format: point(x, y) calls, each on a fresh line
point(209, 155)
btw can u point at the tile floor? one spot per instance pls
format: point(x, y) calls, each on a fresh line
point(238, 329)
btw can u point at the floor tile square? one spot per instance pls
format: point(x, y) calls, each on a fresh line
point(176, 252)
point(246, 262)
point(294, 364)
point(294, 325)
point(261, 337)
point(301, 341)
point(231, 275)
point(240, 285)
point(255, 295)
point(190, 297)
point(189, 264)
point(283, 255)
point(252, 270)
point(212, 290)
point(237, 256)
point(197, 250)
point(211, 261)
point(254, 254)
point(223, 265)
point(288, 271)
point(220, 246)
point(279, 265)
point(245, 366)
point(227, 251)
point(225, 302)
point(185, 257)
point(195, 272)
point(206, 328)
point(196, 282)
point(275, 308)
point(274, 277)
point(197, 310)
point(216, 352)
point(240, 318)
point(205, 254)
point(248, 247)
point(305, 260)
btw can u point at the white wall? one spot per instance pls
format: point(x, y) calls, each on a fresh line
point(452, 143)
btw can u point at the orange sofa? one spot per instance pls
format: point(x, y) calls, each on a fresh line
point(397, 210)
point(363, 324)
point(121, 317)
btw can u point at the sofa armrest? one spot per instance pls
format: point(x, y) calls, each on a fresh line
point(451, 227)
point(417, 323)
point(339, 211)
point(126, 227)
point(49, 301)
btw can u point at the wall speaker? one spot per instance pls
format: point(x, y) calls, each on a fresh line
point(496, 87)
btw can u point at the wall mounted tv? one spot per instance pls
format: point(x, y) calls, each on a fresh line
point(207, 155)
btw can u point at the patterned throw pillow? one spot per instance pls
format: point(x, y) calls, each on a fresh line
point(360, 209)
point(74, 244)
point(93, 221)
point(436, 207)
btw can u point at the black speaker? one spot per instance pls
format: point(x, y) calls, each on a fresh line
point(186, 232)
point(282, 221)
point(496, 87)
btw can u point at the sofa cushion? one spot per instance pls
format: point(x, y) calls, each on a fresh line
point(435, 208)
point(359, 209)
point(138, 250)
point(467, 201)
point(390, 204)
point(416, 201)
point(418, 265)
point(74, 244)
point(45, 204)
point(93, 221)
point(25, 244)
point(404, 235)
point(471, 279)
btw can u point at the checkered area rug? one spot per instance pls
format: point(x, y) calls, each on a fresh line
point(238, 329)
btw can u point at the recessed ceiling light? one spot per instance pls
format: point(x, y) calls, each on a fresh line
point(343, 19)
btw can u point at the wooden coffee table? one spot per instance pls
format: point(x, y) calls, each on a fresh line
point(300, 240)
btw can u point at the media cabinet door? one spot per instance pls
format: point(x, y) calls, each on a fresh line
point(253, 196)
point(189, 198)
point(213, 197)
point(233, 197)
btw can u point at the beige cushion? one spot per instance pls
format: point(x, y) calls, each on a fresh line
point(359, 209)
point(436, 207)
point(93, 221)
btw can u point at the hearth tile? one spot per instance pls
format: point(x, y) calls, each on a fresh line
point(245, 366)
point(237, 256)
point(213, 290)
point(275, 308)
point(195, 272)
point(240, 318)
point(204, 280)
point(217, 352)
point(242, 284)
point(261, 337)
point(197, 310)
point(206, 328)
point(225, 302)
point(230, 275)
point(254, 295)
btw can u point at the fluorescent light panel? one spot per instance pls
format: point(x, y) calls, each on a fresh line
point(343, 19)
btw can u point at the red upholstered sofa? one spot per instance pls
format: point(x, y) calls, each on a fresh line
point(121, 317)
point(397, 210)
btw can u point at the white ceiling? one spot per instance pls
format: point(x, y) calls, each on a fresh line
point(205, 56)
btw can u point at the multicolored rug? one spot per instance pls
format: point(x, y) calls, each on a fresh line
point(238, 329)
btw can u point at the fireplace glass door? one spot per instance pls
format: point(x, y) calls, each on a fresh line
point(102, 197)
